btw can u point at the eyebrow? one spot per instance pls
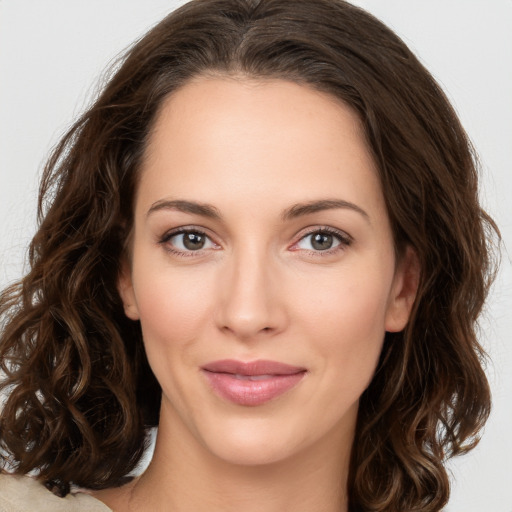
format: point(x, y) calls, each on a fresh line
point(203, 209)
point(295, 211)
point(298, 210)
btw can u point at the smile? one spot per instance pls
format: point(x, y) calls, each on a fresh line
point(253, 383)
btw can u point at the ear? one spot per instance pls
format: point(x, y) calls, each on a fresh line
point(126, 291)
point(403, 291)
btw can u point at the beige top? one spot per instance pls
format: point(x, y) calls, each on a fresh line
point(25, 494)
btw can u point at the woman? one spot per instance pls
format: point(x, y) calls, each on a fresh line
point(264, 237)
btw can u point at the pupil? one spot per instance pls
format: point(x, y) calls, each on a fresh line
point(193, 241)
point(322, 241)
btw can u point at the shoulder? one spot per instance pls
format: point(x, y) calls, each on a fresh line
point(26, 494)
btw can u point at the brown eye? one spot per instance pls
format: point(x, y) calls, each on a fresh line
point(193, 241)
point(322, 241)
point(189, 241)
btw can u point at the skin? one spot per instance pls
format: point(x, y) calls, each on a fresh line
point(259, 289)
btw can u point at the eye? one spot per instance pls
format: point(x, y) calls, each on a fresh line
point(186, 241)
point(323, 240)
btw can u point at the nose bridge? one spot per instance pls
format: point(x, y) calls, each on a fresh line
point(250, 300)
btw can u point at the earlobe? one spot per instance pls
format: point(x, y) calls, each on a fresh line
point(126, 292)
point(404, 290)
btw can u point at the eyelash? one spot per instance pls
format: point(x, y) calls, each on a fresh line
point(343, 238)
point(182, 231)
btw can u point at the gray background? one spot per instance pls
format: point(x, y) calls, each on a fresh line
point(53, 51)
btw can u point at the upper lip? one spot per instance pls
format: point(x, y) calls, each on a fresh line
point(259, 367)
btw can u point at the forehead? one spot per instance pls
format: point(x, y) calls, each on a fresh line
point(265, 140)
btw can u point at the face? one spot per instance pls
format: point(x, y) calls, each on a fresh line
point(262, 267)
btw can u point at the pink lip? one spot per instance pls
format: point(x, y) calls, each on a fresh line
point(252, 383)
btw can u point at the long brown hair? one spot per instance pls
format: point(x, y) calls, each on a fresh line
point(80, 394)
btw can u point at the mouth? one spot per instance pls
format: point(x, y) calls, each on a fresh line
point(253, 383)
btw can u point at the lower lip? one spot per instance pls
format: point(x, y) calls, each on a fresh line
point(251, 392)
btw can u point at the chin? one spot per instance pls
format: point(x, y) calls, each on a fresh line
point(255, 452)
point(256, 441)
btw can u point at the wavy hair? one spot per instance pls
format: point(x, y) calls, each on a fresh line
point(80, 393)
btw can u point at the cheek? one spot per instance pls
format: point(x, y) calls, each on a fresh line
point(172, 307)
point(345, 319)
point(352, 301)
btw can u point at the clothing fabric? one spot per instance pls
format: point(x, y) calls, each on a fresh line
point(26, 494)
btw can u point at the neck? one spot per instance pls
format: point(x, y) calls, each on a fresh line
point(184, 476)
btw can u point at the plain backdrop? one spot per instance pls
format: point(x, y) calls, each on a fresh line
point(52, 53)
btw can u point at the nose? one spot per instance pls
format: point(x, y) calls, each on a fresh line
point(251, 300)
